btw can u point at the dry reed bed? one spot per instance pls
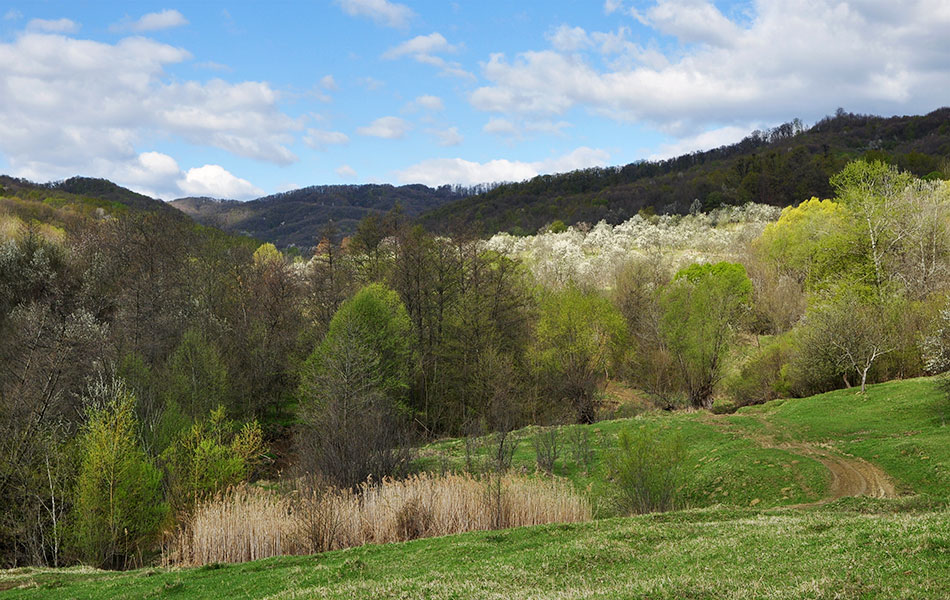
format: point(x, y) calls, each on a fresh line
point(251, 523)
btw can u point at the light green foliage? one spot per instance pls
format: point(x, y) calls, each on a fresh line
point(647, 469)
point(267, 254)
point(810, 242)
point(703, 307)
point(375, 320)
point(579, 337)
point(352, 389)
point(197, 377)
point(118, 503)
point(210, 456)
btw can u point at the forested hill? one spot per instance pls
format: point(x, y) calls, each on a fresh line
point(80, 195)
point(781, 167)
point(299, 217)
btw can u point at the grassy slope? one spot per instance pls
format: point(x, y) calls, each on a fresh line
point(690, 554)
point(893, 426)
point(722, 468)
point(851, 548)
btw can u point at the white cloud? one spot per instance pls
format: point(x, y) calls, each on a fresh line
point(319, 139)
point(327, 82)
point(426, 102)
point(611, 6)
point(53, 25)
point(500, 126)
point(390, 128)
point(790, 58)
point(440, 171)
point(706, 140)
point(346, 172)
point(421, 44)
point(568, 39)
point(215, 181)
point(74, 106)
point(425, 49)
point(155, 21)
point(383, 12)
point(693, 21)
point(12, 15)
point(447, 137)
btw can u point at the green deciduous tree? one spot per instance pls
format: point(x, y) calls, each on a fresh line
point(703, 307)
point(197, 378)
point(580, 336)
point(118, 507)
point(210, 456)
point(351, 392)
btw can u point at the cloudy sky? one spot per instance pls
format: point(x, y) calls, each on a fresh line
point(231, 99)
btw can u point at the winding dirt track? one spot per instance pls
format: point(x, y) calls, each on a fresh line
point(850, 476)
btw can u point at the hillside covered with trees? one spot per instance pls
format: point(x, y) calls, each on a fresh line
point(299, 217)
point(779, 167)
point(149, 364)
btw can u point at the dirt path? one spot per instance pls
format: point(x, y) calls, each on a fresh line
point(850, 476)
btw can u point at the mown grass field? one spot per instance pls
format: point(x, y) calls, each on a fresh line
point(720, 548)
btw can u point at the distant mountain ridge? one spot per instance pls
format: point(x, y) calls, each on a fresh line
point(298, 217)
point(781, 166)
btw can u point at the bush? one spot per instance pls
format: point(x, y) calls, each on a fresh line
point(546, 449)
point(942, 403)
point(209, 457)
point(761, 378)
point(646, 467)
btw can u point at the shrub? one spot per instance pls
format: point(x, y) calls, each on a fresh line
point(761, 378)
point(581, 450)
point(646, 467)
point(942, 403)
point(546, 448)
point(209, 457)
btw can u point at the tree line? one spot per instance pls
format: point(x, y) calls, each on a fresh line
point(146, 364)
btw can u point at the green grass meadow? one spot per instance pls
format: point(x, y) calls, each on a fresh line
point(733, 538)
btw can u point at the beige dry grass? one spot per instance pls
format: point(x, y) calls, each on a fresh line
point(251, 523)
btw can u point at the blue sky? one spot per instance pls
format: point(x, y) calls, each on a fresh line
point(240, 99)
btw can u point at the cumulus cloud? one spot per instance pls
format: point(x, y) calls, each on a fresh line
point(78, 106)
point(440, 171)
point(390, 128)
point(327, 82)
point(425, 102)
point(447, 137)
point(53, 25)
point(425, 49)
point(569, 39)
point(319, 139)
point(346, 172)
point(217, 182)
point(155, 21)
point(792, 58)
point(693, 21)
point(500, 126)
point(383, 12)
